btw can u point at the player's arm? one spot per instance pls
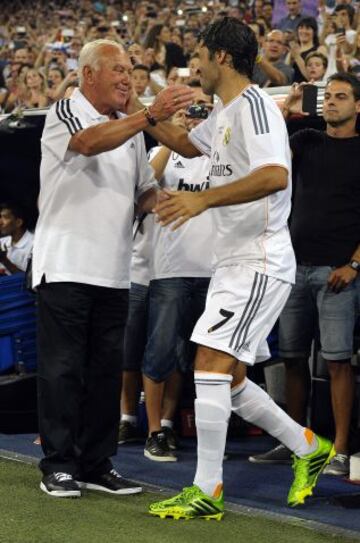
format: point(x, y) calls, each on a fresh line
point(174, 137)
point(181, 206)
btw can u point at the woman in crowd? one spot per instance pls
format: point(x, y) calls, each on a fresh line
point(157, 37)
point(55, 77)
point(307, 41)
point(35, 90)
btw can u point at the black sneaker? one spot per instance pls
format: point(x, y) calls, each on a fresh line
point(157, 448)
point(128, 433)
point(60, 485)
point(171, 438)
point(278, 455)
point(111, 482)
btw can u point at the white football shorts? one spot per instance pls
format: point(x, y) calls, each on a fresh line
point(242, 306)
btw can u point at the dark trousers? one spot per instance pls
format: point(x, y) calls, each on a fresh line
point(80, 353)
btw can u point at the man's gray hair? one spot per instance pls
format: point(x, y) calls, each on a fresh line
point(90, 55)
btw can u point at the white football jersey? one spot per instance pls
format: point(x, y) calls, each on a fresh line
point(247, 134)
point(187, 252)
point(141, 259)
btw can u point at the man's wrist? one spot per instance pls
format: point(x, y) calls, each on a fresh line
point(354, 265)
point(149, 116)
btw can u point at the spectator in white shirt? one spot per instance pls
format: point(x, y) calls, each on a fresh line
point(16, 245)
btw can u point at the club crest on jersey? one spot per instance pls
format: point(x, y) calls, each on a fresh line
point(227, 136)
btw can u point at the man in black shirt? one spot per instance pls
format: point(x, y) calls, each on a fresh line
point(325, 231)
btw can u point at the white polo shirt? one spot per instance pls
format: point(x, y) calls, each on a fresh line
point(247, 134)
point(18, 253)
point(84, 231)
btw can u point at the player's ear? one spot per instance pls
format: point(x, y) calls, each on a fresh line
point(221, 56)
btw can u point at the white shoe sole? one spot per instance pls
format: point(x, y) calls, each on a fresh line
point(160, 458)
point(61, 493)
point(99, 488)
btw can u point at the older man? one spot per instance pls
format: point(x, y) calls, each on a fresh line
point(93, 164)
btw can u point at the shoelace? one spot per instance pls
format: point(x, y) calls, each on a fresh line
point(60, 476)
point(189, 492)
point(115, 473)
point(342, 458)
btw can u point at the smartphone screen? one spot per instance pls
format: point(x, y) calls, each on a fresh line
point(309, 102)
point(183, 72)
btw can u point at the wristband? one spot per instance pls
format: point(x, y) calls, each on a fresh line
point(150, 119)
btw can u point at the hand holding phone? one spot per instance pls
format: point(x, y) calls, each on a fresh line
point(309, 100)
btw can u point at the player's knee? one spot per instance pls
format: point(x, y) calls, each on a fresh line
point(208, 359)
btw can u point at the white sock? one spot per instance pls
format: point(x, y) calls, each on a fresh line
point(129, 418)
point(254, 405)
point(212, 413)
point(166, 423)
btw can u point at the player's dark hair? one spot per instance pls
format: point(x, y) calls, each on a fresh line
point(235, 38)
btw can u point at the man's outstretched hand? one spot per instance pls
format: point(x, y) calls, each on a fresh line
point(171, 100)
point(179, 207)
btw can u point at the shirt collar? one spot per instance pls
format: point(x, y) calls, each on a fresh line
point(23, 241)
point(78, 96)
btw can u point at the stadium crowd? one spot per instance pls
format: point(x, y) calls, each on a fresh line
point(171, 271)
point(40, 42)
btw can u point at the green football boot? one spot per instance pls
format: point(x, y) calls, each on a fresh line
point(307, 470)
point(190, 503)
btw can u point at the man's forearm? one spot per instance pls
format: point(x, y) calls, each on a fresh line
point(258, 184)
point(9, 265)
point(276, 76)
point(356, 254)
point(160, 161)
point(107, 136)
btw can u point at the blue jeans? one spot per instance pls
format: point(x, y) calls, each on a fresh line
point(312, 305)
point(136, 328)
point(175, 304)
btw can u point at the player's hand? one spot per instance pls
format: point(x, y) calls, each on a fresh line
point(341, 278)
point(179, 207)
point(171, 100)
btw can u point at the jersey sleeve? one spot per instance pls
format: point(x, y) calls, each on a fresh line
point(264, 132)
point(63, 120)
point(201, 135)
